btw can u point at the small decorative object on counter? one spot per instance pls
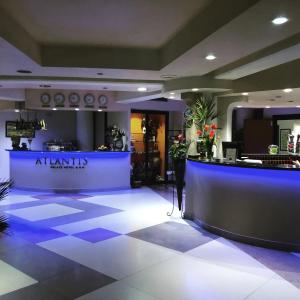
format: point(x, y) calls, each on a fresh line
point(207, 136)
point(114, 138)
point(291, 145)
point(178, 152)
point(273, 149)
point(102, 148)
point(298, 144)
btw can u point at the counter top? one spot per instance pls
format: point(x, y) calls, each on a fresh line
point(245, 165)
point(46, 151)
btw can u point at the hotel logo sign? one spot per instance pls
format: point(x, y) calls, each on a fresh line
point(62, 163)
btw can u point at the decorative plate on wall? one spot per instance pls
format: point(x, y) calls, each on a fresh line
point(74, 99)
point(103, 100)
point(59, 99)
point(89, 99)
point(45, 99)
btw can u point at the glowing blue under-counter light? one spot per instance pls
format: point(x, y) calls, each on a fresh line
point(70, 170)
point(254, 204)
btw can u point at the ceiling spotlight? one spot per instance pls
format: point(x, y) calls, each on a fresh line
point(77, 109)
point(99, 110)
point(17, 110)
point(298, 106)
point(195, 90)
point(210, 57)
point(168, 76)
point(239, 106)
point(172, 93)
point(279, 20)
point(287, 90)
point(172, 97)
point(54, 108)
point(45, 85)
point(100, 73)
point(24, 71)
point(142, 89)
point(267, 106)
point(245, 94)
point(291, 101)
point(105, 88)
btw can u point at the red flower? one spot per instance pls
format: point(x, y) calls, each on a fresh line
point(213, 126)
point(212, 134)
point(180, 137)
point(206, 127)
point(199, 132)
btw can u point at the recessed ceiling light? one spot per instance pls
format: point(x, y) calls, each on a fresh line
point(17, 110)
point(245, 94)
point(100, 73)
point(45, 85)
point(168, 76)
point(172, 93)
point(77, 109)
point(142, 89)
point(280, 20)
point(172, 97)
point(298, 106)
point(54, 108)
point(287, 90)
point(24, 71)
point(291, 101)
point(239, 106)
point(105, 88)
point(210, 57)
point(267, 106)
point(272, 100)
point(195, 89)
point(99, 110)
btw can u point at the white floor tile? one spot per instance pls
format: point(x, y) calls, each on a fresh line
point(123, 222)
point(223, 252)
point(12, 279)
point(117, 257)
point(42, 212)
point(276, 289)
point(117, 291)
point(16, 199)
point(185, 278)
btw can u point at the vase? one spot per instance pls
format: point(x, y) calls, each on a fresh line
point(201, 148)
point(179, 169)
point(209, 150)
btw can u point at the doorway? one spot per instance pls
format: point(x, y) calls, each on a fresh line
point(149, 146)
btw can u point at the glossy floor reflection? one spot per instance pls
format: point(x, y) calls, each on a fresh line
point(123, 246)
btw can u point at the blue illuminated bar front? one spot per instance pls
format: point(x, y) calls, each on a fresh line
point(251, 204)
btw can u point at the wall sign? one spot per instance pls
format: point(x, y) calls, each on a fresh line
point(62, 163)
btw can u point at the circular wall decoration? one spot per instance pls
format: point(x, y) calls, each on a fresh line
point(74, 99)
point(59, 99)
point(45, 99)
point(103, 100)
point(89, 99)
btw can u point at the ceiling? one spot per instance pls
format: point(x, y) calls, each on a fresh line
point(124, 45)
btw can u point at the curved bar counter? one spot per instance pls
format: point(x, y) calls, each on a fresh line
point(253, 204)
point(70, 170)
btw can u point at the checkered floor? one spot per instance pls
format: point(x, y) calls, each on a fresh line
point(123, 246)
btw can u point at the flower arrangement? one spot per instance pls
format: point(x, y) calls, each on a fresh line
point(207, 137)
point(102, 148)
point(179, 148)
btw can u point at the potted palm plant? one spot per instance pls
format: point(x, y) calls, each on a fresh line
point(178, 152)
point(4, 189)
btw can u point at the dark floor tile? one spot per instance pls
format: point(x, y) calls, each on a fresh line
point(9, 242)
point(38, 262)
point(96, 235)
point(174, 235)
point(78, 282)
point(34, 292)
point(285, 264)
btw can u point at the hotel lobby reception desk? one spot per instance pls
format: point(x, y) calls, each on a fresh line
point(70, 171)
point(250, 204)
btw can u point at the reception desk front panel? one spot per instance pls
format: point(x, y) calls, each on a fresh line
point(70, 171)
point(251, 204)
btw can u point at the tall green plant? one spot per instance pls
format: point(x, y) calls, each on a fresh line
point(4, 189)
point(201, 111)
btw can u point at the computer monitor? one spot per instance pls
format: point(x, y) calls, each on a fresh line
point(232, 145)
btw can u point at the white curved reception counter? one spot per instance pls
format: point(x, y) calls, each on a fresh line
point(70, 170)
